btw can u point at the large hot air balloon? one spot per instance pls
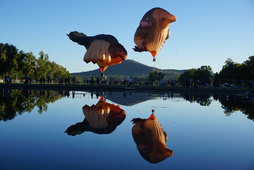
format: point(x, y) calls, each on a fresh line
point(150, 139)
point(153, 31)
point(102, 49)
point(102, 118)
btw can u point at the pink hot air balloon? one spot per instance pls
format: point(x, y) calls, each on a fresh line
point(153, 31)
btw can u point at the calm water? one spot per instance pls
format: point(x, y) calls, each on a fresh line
point(77, 130)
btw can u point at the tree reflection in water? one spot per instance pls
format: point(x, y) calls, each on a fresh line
point(101, 118)
point(13, 102)
point(202, 99)
point(150, 139)
point(242, 102)
point(230, 103)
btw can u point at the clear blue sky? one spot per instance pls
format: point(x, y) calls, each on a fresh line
point(205, 33)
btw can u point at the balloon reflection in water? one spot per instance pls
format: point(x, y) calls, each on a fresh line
point(150, 139)
point(102, 118)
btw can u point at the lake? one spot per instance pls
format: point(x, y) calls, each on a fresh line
point(125, 130)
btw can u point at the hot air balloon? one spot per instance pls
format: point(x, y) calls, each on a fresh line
point(103, 50)
point(153, 31)
point(102, 118)
point(150, 139)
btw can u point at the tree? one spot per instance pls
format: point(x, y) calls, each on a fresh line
point(156, 76)
point(14, 62)
point(228, 69)
point(27, 62)
point(42, 67)
point(187, 75)
point(204, 73)
point(237, 73)
point(58, 71)
point(248, 67)
point(8, 59)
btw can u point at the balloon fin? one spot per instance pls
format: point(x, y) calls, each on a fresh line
point(102, 98)
point(152, 117)
point(103, 68)
point(154, 53)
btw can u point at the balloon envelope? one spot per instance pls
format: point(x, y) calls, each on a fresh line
point(150, 139)
point(153, 31)
point(103, 50)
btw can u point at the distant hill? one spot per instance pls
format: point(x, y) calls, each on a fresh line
point(130, 68)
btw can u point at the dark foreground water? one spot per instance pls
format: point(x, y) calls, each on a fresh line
point(80, 130)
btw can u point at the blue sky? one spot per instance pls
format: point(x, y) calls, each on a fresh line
point(205, 33)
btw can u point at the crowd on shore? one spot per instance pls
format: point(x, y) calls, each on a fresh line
point(130, 82)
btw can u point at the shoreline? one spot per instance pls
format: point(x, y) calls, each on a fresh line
point(100, 87)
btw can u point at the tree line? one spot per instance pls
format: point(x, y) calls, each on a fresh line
point(18, 65)
point(238, 74)
point(231, 74)
point(25, 66)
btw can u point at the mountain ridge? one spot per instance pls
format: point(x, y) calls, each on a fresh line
point(130, 68)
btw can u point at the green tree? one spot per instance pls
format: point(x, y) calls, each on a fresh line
point(187, 75)
point(204, 73)
point(248, 68)
point(228, 69)
point(8, 59)
point(42, 66)
point(18, 64)
point(233, 73)
point(27, 63)
point(237, 73)
point(155, 76)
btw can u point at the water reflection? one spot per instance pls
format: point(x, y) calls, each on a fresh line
point(230, 103)
point(150, 139)
point(202, 99)
point(240, 102)
point(101, 118)
point(13, 102)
